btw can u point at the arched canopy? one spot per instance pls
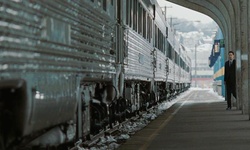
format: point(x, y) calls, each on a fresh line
point(224, 13)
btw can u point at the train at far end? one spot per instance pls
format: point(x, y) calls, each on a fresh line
point(217, 60)
point(73, 69)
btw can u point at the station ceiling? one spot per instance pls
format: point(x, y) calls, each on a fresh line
point(226, 13)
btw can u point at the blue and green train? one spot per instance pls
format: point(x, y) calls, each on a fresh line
point(217, 60)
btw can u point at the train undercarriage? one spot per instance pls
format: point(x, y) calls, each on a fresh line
point(98, 111)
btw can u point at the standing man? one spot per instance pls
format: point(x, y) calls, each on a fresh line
point(229, 78)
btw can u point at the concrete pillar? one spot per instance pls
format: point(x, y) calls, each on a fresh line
point(248, 25)
point(237, 40)
point(244, 57)
point(238, 76)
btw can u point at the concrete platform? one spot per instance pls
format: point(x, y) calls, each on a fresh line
point(199, 121)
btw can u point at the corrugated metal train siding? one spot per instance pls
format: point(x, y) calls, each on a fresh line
point(56, 36)
point(161, 72)
point(139, 59)
point(171, 76)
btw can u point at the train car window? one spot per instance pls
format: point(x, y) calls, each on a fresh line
point(127, 12)
point(163, 44)
point(148, 25)
point(159, 41)
point(176, 58)
point(181, 63)
point(159, 38)
point(144, 23)
point(172, 53)
point(166, 47)
point(112, 2)
point(135, 15)
point(156, 36)
point(149, 29)
point(104, 5)
point(154, 11)
point(179, 60)
point(131, 13)
point(140, 19)
point(119, 12)
point(166, 32)
point(160, 35)
point(168, 50)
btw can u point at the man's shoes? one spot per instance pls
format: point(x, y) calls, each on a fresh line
point(228, 108)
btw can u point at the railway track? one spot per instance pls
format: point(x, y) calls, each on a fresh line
point(120, 132)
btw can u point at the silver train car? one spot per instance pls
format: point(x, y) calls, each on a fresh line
point(72, 69)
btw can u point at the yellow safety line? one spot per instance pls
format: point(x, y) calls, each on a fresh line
point(152, 136)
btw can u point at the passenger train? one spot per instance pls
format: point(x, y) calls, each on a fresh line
point(217, 60)
point(73, 69)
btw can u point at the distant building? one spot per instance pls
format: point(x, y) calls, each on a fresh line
point(202, 74)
